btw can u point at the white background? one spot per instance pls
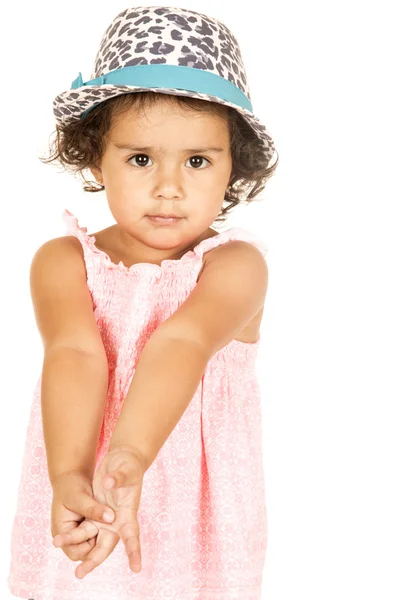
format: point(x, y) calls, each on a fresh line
point(324, 79)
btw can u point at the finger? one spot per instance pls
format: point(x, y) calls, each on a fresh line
point(77, 552)
point(84, 532)
point(109, 481)
point(87, 506)
point(130, 537)
point(113, 480)
point(106, 542)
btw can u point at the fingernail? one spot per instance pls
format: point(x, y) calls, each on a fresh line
point(108, 517)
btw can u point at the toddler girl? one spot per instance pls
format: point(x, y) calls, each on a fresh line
point(148, 405)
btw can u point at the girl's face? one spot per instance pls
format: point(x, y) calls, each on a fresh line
point(174, 172)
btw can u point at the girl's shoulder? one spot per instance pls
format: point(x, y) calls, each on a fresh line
point(61, 299)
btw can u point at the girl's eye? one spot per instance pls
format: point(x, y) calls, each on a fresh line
point(143, 163)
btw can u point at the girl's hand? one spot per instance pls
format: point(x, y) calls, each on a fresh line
point(124, 466)
point(73, 501)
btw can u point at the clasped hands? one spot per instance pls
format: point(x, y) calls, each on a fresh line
point(77, 522)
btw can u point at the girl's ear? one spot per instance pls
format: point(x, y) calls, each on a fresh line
point(97, 174)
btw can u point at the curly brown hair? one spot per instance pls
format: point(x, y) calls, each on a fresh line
point(81, 144)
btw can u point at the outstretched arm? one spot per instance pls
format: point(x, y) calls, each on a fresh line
point(230, 292)
point(165, 381)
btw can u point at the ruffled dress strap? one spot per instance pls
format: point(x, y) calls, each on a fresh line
point(87, 243)
point(234, 233)
point(73, 227)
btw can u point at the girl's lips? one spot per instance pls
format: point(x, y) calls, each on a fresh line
point(164, 220)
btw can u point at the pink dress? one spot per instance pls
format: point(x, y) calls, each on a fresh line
point(202, 516)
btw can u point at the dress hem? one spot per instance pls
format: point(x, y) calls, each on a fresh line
point(204, 593)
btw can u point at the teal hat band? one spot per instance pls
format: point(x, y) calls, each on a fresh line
point(170, 76)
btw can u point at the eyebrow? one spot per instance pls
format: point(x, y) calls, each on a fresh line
point(162, 151)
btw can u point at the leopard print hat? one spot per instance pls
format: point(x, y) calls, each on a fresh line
point(170, 51)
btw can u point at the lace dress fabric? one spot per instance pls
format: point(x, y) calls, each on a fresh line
point(202, 516)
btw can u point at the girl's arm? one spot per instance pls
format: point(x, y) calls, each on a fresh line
point(75, 368)
point(230, 292)
point(73, 396)
point(166, 378)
